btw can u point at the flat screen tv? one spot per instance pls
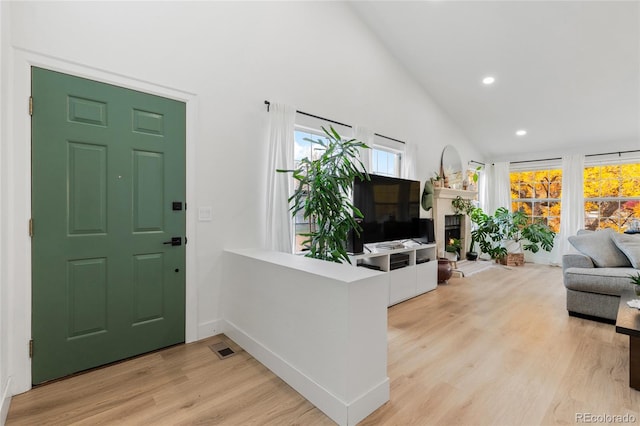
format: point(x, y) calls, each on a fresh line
point(391, 208)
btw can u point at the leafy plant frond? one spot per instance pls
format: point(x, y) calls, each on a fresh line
point(323, 194)
point(491, 231)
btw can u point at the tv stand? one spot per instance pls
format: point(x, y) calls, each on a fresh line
point(412, 268)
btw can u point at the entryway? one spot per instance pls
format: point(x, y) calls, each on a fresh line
point(108, 210)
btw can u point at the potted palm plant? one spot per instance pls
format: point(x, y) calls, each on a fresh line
point(323, 194)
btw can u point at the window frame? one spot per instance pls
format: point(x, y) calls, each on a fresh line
point(387, 150)
point(552, 220)
point(595, 223)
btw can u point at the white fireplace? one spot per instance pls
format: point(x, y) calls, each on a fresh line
point(442, 208)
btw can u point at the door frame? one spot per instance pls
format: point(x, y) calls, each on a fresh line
point(19, 187)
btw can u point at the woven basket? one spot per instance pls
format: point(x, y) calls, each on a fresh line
point(512, 259)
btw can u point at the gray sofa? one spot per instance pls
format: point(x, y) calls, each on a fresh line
point(595, 279)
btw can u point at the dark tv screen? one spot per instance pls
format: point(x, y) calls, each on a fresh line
point(391, 208)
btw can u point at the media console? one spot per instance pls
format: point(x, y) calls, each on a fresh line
point(413, 270)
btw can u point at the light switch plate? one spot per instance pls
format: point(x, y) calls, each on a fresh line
point(205, 214)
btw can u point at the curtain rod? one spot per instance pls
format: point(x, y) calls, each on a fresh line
point(268, 104)
point(586, 155)
point(477, 162)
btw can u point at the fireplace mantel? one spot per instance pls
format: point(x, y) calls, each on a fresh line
point(453, 193)
point(442, 198)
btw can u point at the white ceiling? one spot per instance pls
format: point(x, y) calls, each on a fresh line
point(566, 71)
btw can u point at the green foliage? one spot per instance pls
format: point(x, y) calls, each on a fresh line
point(491, 231)
point(487, 234)
point(476, 173)
point(635, 279)
point(323, 195)
point(460, 205)
point(453, 245)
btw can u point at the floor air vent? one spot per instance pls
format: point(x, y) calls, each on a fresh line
point(222, 350)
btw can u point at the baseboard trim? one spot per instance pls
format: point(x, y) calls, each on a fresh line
point(339, 411)
point(209, 328)
point(369, 402)
point(5, 403)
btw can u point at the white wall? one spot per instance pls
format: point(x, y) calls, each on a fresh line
point(315, 56)
point(4, 288)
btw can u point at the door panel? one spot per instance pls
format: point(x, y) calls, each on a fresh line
point(107, 163)
point(87, 189)
point(148, 191)
point(87, 297)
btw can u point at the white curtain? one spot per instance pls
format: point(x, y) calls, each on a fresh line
point(495, 187)
point(409, 168)
point(279, 227)
point(365, 135)
point(572, 203)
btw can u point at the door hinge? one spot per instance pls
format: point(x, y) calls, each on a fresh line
point(30, 105)
point(31, 348)
point(31, 228)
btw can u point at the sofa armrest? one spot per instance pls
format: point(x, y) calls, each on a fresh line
point(576, 261)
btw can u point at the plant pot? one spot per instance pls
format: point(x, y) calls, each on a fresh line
point(638, 290)
point(444, 270)
point(453, 256)
point(511, 259)
point(472, 255)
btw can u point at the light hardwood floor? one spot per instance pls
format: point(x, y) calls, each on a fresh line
point(496, 348)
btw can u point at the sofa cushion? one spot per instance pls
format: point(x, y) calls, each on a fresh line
point(630, 246)
point(600, 247)
point(610, 281)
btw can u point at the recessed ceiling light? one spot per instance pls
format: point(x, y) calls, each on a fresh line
point(487, 81)
point(521, 132)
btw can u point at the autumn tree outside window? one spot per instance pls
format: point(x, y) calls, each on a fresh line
point(537, 193)
point(611, 194)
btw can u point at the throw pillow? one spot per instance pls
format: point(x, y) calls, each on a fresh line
point(599, 246)
point(630, 246)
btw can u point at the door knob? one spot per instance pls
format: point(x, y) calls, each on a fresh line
point(175, 241)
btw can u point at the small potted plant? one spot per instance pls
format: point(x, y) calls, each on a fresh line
point(436, 180)
point(453, 249)
point(635, 279)
point(462, 206)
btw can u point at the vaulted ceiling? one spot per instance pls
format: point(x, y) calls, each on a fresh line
point(567, 72)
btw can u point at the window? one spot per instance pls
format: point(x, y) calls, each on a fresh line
point(611, 195)
point(385, 161)
point(538, 193)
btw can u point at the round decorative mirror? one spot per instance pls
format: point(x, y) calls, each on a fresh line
point(451, 168)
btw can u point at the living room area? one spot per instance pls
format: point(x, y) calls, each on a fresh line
point(525, 111)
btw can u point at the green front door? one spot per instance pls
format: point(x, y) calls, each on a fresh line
point(108, 176)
